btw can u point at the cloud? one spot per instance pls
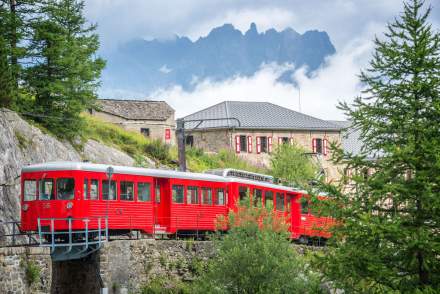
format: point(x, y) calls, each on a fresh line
point(165, 69)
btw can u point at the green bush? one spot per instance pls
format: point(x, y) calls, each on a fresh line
point(164, 285)
point(158, 150)
point(32, 271)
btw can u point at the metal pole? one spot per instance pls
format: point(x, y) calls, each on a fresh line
point(180, 132)
point(110, 171)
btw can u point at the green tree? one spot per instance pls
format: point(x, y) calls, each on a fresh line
point(292, 165)
point(389, 238)
point(256, 256)
point(14, 29)
point(65, 75)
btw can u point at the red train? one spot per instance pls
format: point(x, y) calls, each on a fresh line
point(152, 201)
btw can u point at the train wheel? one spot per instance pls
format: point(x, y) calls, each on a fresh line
point(303, 240)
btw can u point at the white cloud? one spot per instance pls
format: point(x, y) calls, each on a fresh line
point(165, 69)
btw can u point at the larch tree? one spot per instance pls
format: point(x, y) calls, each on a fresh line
point(66, 70)
point(388, 234)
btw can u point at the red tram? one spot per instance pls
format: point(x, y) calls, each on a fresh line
point(152, 201)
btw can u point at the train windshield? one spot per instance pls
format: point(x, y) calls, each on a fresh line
point(46, 189)
point(30, 190)
point(65, 188)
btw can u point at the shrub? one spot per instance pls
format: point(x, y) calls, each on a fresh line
point(32, 271)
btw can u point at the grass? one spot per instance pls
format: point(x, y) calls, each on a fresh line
point(138, 146)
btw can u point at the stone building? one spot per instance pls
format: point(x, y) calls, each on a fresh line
point(254, 129)
point(153, 119)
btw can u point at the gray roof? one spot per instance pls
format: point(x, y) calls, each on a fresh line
point(256, 115)
point(351, 139)
point(136, 109)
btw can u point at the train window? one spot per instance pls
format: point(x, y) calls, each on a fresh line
point(65, 188)
point(144, 192)
point(220, 199)
point(94, 189)
point(157, 192)
point(242, 192)
point(30, 190)
point(258, 195)
point(178, 194)
point(268, 199)
point(85, 188)
point(206, 196)
point(106, 188)
point(192, 195)
point(280, 201)
point(304, 206)
point(46, 189)
point(127, 190)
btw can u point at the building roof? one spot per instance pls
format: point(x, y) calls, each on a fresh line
point(256, 115)
point(351, 139)
point(136, 109)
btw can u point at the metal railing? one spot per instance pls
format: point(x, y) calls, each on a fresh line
point(87, 240)
point(16, 237)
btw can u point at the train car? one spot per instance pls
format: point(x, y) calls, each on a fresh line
point(75, 196)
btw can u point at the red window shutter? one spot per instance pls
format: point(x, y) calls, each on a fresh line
point(249, 138)
point(258, 145)
point(291, 141)
point(280, 140)
point(269, 144)
point(325, 146)
point(237, 144)
point(314, 145)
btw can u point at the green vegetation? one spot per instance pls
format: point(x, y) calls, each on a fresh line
point(256, 256)
point(48, 62)
point(389, 239)
point(164, 285)
point(292, 166)
point(32, 271)
point(23, 141)
point(198, 160)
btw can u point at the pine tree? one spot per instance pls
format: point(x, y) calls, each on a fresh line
point(65, 77)
point(388, 238)
point(6, 80)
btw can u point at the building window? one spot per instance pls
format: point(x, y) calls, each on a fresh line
point(189, 140)
point(46, 189)
point(105, 190)
point(144, 192)
point(263, 142)
point(284, 140)
point(178, 194)
point(192, 195)
point(243, 143)
point(280, 201)
point(206, 196)
point(317, 145)
point(145, 132)
point(127, 190)
point(30, 190)
point(65, 188)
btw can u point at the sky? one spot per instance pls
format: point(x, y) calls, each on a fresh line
point(351, 25)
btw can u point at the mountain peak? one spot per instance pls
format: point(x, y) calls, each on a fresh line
point(252, 29)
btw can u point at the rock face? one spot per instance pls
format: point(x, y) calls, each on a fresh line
point(23, 144)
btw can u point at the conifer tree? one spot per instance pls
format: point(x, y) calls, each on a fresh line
point(388, 238)
point(6, 80)
point(65, 77)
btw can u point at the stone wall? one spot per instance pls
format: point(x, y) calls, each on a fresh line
point(215, 140)
point(19, 264)
point(156, 127)
point(128, 265)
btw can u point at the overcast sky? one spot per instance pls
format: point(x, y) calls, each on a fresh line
point(351, 25)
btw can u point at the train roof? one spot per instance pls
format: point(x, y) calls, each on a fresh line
point(160, 173)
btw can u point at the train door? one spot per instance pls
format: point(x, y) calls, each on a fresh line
point(295, 215)
point(162, 205)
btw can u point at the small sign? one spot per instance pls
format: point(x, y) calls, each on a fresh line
point(167, 134)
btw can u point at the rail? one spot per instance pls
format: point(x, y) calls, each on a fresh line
point(66, 242)
point(15, 237)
